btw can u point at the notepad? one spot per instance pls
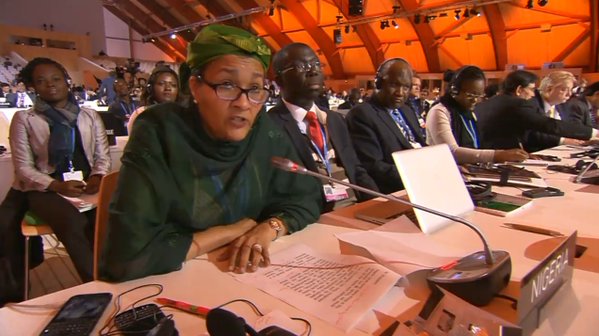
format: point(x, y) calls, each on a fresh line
point(503, 205)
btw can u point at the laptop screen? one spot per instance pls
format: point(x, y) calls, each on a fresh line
point(432, 179)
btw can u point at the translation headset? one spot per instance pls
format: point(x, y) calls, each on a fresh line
point(456, 81)
point(378, 78)
point(582, 164)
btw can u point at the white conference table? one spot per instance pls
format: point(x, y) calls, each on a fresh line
point(7, 171)
point(572, 311)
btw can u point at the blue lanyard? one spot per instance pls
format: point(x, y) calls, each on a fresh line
point(470, 128)
point(71, 168)
point(129, 110)
point(323, 156)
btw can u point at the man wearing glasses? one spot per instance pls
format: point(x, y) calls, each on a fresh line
point(385, 124)
point(319, 135)
point(508, 119)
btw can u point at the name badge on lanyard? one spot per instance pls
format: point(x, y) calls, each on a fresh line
point(72, 174)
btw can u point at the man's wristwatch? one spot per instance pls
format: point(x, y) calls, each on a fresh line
point(277, 225)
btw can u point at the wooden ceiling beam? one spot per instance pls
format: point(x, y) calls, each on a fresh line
point(325, 42)
point(165, 16)
point(425, 35)
point(572, 46)
point(141, 30)
point(151, 25)
point(267, 24)
point(498, 35)
point(368, 37)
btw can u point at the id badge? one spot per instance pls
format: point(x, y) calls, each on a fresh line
point(416, 144)
point(333, 194)
point(76, 175)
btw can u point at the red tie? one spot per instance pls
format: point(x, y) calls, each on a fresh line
point(315, 131)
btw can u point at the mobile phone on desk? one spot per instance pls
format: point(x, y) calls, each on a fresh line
point(542, 192)
point(78, 316)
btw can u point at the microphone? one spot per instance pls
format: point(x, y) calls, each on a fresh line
point(591, 178)
point(476, 278)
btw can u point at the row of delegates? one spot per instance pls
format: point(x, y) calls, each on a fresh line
point(162, 87)
point(505, 120)
point(386, 124)
point(319, 135)
point(452, 121)
point(198, 178)
point(49, 142)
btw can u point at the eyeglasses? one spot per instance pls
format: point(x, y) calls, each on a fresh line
point(231, 92)
point(474, 96)
point(303, 67)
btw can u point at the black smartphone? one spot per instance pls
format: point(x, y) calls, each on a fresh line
point(542, 192)
point(78, 316)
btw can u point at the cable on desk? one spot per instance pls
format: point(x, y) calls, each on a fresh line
point(259, 313)
point(117, 308)
point(509, 298)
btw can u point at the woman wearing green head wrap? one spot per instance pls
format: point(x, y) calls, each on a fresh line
point(195, 179)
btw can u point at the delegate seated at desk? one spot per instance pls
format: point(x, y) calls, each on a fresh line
point(198, 178)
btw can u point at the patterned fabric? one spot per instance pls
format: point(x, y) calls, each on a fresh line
point(397, 115)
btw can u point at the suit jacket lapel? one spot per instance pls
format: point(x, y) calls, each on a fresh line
point(412, 122)
point(297, 138)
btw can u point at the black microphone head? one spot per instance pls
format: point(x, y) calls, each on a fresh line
point(286, 165)
point(222, 322)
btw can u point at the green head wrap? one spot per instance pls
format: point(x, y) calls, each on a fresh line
point(217, 40)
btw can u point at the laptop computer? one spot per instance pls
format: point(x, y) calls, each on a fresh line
point(431, 179)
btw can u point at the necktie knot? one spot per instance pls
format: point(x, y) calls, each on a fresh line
point(311, 116)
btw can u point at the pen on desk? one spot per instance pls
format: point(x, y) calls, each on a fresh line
point(533, 229)
point(184, 306)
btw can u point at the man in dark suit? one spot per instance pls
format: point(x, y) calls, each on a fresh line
point(583, 109)
point(504, 120)
point(121, 109)
point(555, 89)
point(21, 98)
point(319, 135)
point(385, 124)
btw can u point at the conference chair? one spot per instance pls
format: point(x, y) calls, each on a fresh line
point(31, 226)
point(107, 188)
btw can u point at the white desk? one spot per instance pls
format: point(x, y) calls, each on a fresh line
point(7, 171)
point(571, 312)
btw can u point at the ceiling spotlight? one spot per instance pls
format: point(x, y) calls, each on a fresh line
point(173, 36)
point(153, 40)
point(457, 14)
point(543, 3)
point(395, 25)
point(347, 29)
point(417, 18)
point(442, 14)
point(530, 4)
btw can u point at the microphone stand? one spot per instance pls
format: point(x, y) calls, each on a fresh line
point(580, 176)
point(490, 279)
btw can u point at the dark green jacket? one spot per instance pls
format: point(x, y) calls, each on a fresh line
point(175, 181)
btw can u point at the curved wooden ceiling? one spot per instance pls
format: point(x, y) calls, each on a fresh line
point(507, 32)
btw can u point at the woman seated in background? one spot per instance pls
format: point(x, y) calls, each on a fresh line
point(162, 87)
point(58, 148)
point(452, 121)
point(200, 177)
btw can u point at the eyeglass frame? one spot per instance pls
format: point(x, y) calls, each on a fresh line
point(303, 67)
point(215, 86)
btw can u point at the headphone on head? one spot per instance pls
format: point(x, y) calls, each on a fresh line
point(378, 78)
point(456, 81)
point(154, 77)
